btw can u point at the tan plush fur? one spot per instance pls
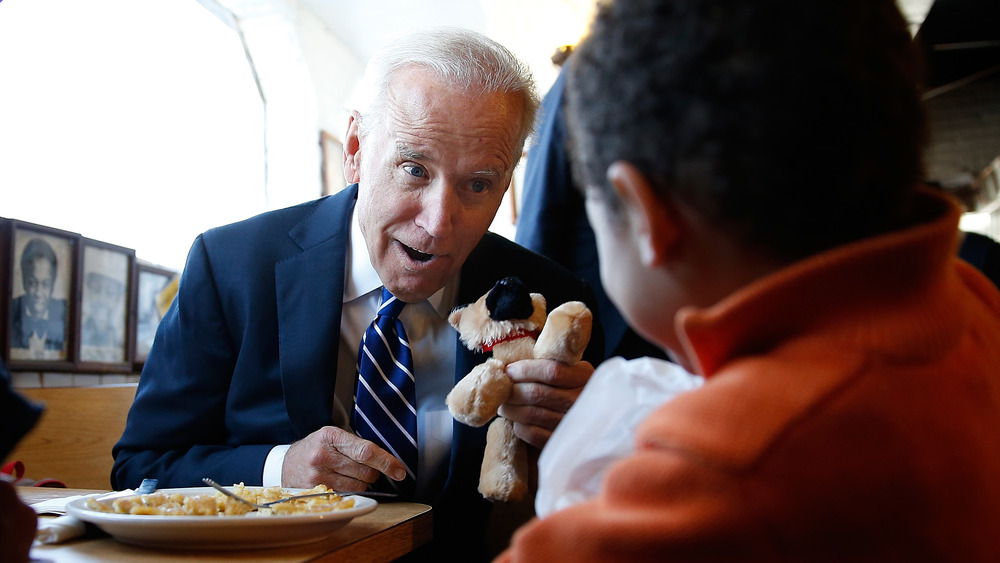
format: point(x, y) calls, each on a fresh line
point(475, 399)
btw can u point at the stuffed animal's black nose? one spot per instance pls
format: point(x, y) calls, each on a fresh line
point(509, 299)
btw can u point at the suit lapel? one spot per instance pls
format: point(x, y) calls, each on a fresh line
point(309, 290)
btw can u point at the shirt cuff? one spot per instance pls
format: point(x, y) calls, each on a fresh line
point(272, 466)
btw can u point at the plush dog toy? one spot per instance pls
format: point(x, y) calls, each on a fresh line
point(512, 323)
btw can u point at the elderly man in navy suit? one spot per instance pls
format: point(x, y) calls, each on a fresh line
point(252, 372)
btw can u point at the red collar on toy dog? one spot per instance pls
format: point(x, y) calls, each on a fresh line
point(488, 346)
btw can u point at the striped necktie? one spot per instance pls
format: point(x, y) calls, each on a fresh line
point(385, 399)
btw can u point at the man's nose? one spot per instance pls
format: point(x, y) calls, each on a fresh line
point(438, 208)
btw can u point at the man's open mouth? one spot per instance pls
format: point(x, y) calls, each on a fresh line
point(417, 255)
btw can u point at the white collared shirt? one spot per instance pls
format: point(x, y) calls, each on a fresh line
point(432, 341)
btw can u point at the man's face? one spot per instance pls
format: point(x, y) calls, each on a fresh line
point(38, 285)
point(432, 174)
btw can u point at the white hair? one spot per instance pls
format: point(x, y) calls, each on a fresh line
point(459, 56)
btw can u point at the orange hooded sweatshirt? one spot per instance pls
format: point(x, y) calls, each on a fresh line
point(851, 412)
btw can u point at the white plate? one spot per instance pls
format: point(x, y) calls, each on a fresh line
point(219, 532)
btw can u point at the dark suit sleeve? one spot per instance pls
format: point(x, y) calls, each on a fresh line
point(178, 430)
point(545, 221)
point(982, 252)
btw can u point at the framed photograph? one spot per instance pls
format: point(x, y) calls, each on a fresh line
point(5, 247)
point(989, 187)
point(39, 290)
point(150, 283)
point(103, 323)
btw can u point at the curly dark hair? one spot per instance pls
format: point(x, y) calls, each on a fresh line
point(797, 124)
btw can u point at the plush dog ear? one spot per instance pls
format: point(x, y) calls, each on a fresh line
point(455, 317)
point(509, 299)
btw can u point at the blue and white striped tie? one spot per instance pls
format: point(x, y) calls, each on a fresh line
point(385, 399)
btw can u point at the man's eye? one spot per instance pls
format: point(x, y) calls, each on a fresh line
point(479, 187)
point(415, 171)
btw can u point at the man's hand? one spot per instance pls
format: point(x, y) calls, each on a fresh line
point(338, 459)
point(543, 391)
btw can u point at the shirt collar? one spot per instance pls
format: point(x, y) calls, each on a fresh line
point(886, 294)
point(362, 278)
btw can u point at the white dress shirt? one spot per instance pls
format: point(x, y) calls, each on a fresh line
point(432, 342)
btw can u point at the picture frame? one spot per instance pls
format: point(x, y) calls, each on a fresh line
point(4, 285)
point(148, 283)
point(40, 296)
point(104, 302)
point(988, 187)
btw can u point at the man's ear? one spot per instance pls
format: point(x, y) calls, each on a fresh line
point(651, 222)
point(352, 150)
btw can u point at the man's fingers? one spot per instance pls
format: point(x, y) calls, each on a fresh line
point(543, 396)
point(534, 435)
point(543, 391)
point(531, 416)
point(339, 459)
point(368, 454)
point(342, 463)
point(550, 372)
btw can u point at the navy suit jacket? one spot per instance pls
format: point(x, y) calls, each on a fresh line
point(982, 252)
point(246, 356)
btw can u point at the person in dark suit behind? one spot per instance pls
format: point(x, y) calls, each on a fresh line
point(982, 252)
point(252, 371)
point(37, 321)
point(553, 221)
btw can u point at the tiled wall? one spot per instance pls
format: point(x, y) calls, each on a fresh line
point(34, 379)
point(965, 136)
point(965, 126)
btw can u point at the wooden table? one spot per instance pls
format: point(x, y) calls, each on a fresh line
point(390, 531)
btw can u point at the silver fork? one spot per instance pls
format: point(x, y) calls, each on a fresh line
point(233, 495)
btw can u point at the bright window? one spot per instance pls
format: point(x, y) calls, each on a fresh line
point(134, 122)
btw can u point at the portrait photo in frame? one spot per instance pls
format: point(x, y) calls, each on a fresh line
point(103, 320)
point(150, 283)
point(40, 293)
